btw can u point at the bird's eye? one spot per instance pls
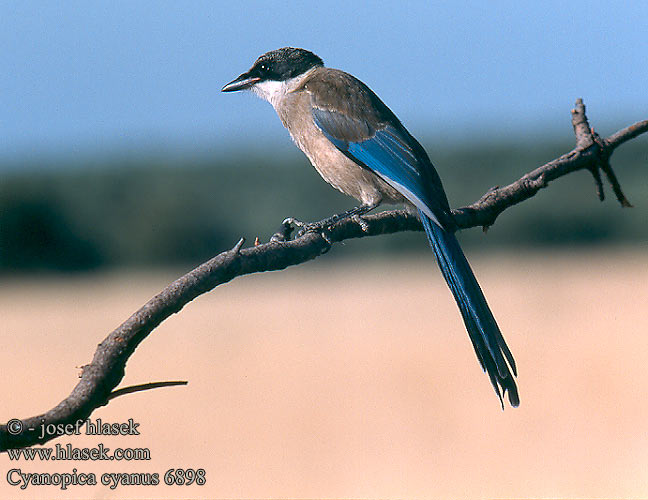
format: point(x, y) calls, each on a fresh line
point(265, 71)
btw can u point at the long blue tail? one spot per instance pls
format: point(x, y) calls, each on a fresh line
point(490, 347)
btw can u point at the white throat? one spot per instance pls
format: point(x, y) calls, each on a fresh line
point(270, 90)
point(274, 91)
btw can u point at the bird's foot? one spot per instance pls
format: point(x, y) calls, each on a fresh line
point(322, 227)
point(360, 222)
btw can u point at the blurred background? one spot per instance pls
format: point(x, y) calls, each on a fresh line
point(118, 149)
point(122, 166)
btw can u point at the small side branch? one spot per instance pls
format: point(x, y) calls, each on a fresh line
point(144, 387)
point(105, 372)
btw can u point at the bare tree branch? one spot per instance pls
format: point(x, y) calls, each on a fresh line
point(105, 372)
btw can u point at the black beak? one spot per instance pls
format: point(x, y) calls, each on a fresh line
point(245, 81)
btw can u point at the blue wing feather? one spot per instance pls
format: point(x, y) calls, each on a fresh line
point(387, 152)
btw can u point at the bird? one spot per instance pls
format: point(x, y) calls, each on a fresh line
point(359, 146)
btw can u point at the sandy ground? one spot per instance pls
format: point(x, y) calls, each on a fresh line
point(354, 382)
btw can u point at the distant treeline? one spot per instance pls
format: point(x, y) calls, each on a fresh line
point(158, 212)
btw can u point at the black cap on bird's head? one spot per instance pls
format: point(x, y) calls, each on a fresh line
point(277, 65)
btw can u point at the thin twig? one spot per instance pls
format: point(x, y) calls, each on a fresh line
point(144, 387)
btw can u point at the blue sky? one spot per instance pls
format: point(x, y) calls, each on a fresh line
point(82, 77)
